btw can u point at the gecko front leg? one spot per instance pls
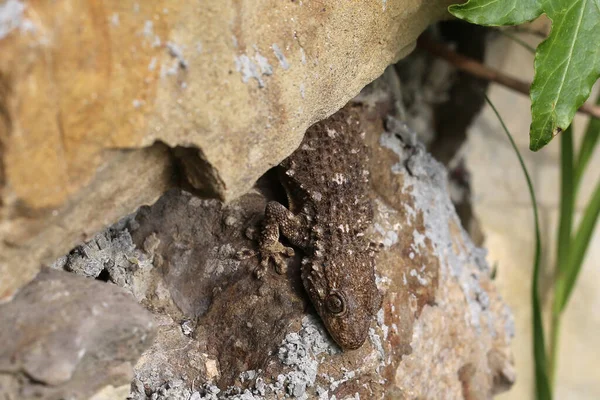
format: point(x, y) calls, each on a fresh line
point(279, 221)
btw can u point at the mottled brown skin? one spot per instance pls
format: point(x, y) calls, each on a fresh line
point(327, 184)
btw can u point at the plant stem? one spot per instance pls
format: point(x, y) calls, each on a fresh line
point(554, 341)
point(543, 388)
point(567, 201)
point(538, 33)
point(580, 243)
point(563, 243)
point(482, 71)
point(517, 40)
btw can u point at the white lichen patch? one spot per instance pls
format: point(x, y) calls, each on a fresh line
point(279, 54)
point(253, 68)
point(148, 30)
point(387, 230)
point(263, 63)
point(152, 64)
point(422, 281)
point(302, 56)
point(418, 242)
point(301, 352)
point(389, 141)
point(11, 16)
point(176, 52)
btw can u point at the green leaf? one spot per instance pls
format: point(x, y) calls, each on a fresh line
point(566, 64)
point(497, 12)
point(581, 242)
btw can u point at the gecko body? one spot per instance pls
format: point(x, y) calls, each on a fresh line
point(329, 211)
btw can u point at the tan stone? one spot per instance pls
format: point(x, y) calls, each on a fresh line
point(237, 81)
point(249, 76)
point(125, 180)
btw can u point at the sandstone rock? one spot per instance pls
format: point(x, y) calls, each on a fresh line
point(65, 336)
point(31, 238)
point(442, 331)
point(234, 84)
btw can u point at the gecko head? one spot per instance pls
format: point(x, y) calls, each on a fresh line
point(346, 303)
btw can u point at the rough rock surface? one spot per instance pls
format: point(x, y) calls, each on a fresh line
point(64, 336)
point(30, 238)
point(442, 330)
point(78, 78)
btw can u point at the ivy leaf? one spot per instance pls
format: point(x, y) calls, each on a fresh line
point(497, 12)
point(567, 63)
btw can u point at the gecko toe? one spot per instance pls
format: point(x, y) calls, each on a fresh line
point(260, 272)
point(280, 265)
point(264, 262)
point(279, 261)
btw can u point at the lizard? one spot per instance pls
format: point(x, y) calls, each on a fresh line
point(326, 183)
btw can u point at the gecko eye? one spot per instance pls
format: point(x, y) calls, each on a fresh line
point(335, 304)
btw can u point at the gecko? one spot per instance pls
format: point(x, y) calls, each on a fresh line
point(329, 211)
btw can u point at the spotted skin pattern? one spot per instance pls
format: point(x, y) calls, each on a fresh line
point(327, 185)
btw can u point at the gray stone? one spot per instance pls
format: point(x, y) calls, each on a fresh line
point(65, 336)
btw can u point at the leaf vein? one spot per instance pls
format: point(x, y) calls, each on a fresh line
point(570, 55)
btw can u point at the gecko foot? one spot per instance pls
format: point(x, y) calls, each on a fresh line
point(276, 252)
point(279, 254)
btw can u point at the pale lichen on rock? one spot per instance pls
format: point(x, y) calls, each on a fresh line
point(440, 303)
point(238, 95)
point(172, 73)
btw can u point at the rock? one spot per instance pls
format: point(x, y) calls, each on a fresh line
point(442, 331)
point(64, 336)
point(181, 69)
point(173, 359)
point(235, 317)
point(29, 239)
point(232, 85)
point(112, 393)
point(112, 255)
